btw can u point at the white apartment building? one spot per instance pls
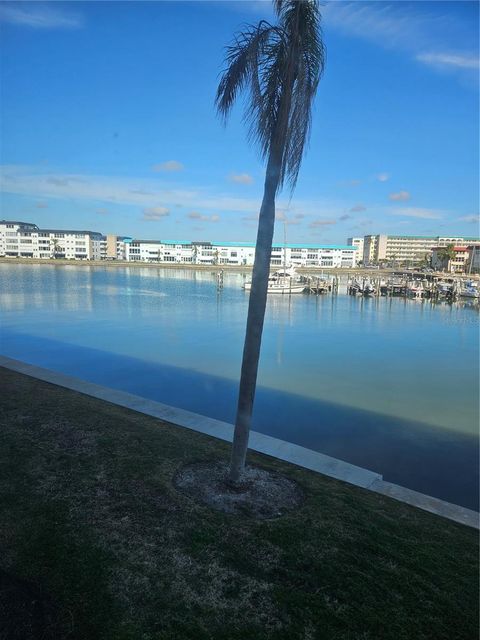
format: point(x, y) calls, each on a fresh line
point(26, 240)
point(404, 249)
point(239, 253)
point(358, 243)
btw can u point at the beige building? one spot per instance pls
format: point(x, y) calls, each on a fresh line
point(407, 249)
point(457, 264)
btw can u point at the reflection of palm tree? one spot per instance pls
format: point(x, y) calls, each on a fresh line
point(281, 66)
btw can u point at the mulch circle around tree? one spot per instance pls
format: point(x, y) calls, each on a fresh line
point(262, 494)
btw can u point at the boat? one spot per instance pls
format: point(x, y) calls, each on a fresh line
point(444, 289)
point(368, 289)
point(470, 290)
point(415, 289)
point(284, 281)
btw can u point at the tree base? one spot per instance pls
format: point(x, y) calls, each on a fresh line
point(261, 494)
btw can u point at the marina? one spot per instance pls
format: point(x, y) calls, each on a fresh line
point(389, 383)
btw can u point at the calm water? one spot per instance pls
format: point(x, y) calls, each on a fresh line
point(388, 384)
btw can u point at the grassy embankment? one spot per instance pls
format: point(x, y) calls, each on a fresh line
point(95, 543)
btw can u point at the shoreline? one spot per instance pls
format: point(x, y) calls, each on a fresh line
point(372, 273)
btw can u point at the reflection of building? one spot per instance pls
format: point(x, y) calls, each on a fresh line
point(26, 240)
point(404, 249)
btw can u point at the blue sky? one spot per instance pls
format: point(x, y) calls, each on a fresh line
point(107, 122)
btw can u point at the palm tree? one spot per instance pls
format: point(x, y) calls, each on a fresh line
point(55, 247)
point(446, 254)
point(280, 66)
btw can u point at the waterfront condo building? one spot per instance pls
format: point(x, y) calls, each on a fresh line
point(462, 260)
point(358, 243)
point(240, 253)
point(27, 240)
point(407, 249)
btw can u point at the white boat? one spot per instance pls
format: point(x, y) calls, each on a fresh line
point(415, 288)
point(368, 289)
point(470, 290)
point(284, 281)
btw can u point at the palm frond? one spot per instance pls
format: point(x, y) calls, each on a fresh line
point(241, 61)
point(280, 66)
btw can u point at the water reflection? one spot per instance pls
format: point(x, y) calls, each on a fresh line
point(405, 358)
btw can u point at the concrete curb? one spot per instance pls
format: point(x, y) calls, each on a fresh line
point(259, 442)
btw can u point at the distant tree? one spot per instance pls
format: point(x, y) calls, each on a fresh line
point(280, 66)
point(446, 255)
point(55, 247)
point(425, 261)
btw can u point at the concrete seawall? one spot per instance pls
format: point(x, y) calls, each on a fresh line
point(261, 443)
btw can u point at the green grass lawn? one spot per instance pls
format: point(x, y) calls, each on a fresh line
point(96, 543)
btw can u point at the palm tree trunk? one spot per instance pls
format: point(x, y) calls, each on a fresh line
point(261, 269)
point(256, 314)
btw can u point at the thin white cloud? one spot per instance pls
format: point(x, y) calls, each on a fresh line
point(399, 196)
point(383, 177)
point(417, 212)
point(42, 205)
point(349, 183)
point(195, 215)
point(35, 182)
point(170, 165)
point(416, 29)
point(449, 60)
point(39, 16)
point(357, 208)
point(471, 219)
point(383, 22)
point(321, 223)
point(241, 178)
point(155, 213)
